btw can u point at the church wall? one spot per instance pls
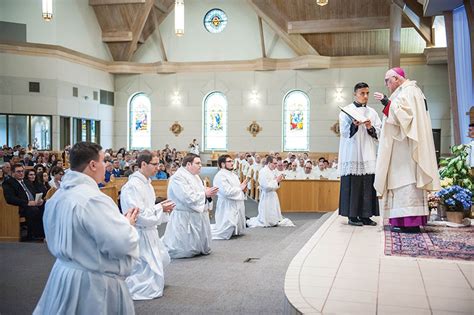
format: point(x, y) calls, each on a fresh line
point(57, 78)
point(272, 86)
point(74, 25)
point(240, 39)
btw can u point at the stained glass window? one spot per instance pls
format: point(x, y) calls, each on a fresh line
point(139, 122)
point(215, 21)
point(215, 121)
point(296, 121)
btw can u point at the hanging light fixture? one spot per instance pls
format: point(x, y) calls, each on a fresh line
point(322, 2)
point(47, 10)
point(179, 17)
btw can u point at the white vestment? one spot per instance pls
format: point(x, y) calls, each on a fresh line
point(188, 232)
point(303, 175)
point(230, 209)
point(358, 154)
point(94, 246)
point(147, 279)
point(406, 157)
point(269, 212)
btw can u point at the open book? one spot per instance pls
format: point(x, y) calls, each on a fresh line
point(352, 113)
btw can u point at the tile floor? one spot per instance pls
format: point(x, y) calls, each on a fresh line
point(342, 270)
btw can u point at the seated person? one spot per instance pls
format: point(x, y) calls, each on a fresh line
point(18, 194)
point(307, 172)
point(57, 174)
point(161, 174)
point(117, 171)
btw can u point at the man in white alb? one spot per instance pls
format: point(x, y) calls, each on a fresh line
point(147, 279)
point(269, 212)
point(188, 232)
point(93, 243)
point(230, 208)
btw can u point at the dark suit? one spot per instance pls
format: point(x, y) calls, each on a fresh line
point(117, 172)
point(16, 195)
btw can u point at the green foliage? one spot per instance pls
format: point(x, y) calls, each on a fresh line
point(456, 167)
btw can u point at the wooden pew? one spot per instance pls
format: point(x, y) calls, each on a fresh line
point(161, 188)
point(309, 195)
point(110, 191)
point(9, 221)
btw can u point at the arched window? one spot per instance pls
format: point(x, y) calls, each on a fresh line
point(139, 118)
point(296, 121)
point(215, 121)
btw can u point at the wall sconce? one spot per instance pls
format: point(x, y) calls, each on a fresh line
point(339, 96)
point(254, 97)
point(176, 98)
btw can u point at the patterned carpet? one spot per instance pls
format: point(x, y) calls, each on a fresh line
point(434, 242)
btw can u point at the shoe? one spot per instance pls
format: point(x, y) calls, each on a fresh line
point(368, 221)
point(355, 222)
point(405, 229)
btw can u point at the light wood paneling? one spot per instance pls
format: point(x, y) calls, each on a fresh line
point(309, 195)
point(9, 221)
point(303, 62)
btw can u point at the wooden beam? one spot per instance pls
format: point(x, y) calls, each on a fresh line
point(262, 39)
point(395, 35)
point(278, 23)
point(448, 22)
point(119, 36)
point(137, 28)
point(260, 64)
point(162, 15)
point(160, 6)
point(110, 2)
point(338, 25)
point(160, 39)
point(423, 25)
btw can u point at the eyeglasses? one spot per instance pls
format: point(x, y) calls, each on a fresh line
point(19, 171)
point(229, 161)
point(388, 79)
point(154, 164)
point(61, 174)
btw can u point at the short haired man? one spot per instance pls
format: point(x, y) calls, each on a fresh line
point(17, 193)
point(230, 208)
point(406, 162)
point(188, 232)
point(147, 279)
point(269, 212)
point(94, 244)
point(357, 158)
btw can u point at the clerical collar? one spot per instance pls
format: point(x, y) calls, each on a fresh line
point(358, 104)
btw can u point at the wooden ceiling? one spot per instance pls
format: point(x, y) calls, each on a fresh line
point(341, 28)
point(126, 24)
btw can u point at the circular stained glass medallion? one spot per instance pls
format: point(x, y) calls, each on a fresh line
point(215, 20)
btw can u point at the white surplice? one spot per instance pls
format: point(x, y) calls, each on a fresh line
point(188, 232)
point(269, 212)
point(147, 279)
point(230, 208)
point(358, 154)
point(94, 246)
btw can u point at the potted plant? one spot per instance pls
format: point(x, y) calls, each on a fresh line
point(457, 202)
point(455, 169)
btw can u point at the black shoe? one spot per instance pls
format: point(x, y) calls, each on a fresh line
point(368, 221)
point(354, 222)
point(405, 229)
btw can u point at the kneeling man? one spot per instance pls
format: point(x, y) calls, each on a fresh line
point(230, 209)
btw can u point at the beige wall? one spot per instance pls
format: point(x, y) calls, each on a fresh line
point(74, 25)
point(272, 86)
point(57, 78)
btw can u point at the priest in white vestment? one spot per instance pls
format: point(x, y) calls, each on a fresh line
point(358, 155)
point(269, 212)
point(307, 172)
point(147, 279)
point(292, 172)
point(188, 232)
point(406, 165)
point(94, 244)
point(230, 208)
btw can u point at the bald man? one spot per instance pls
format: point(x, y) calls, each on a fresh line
point(406, 166)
